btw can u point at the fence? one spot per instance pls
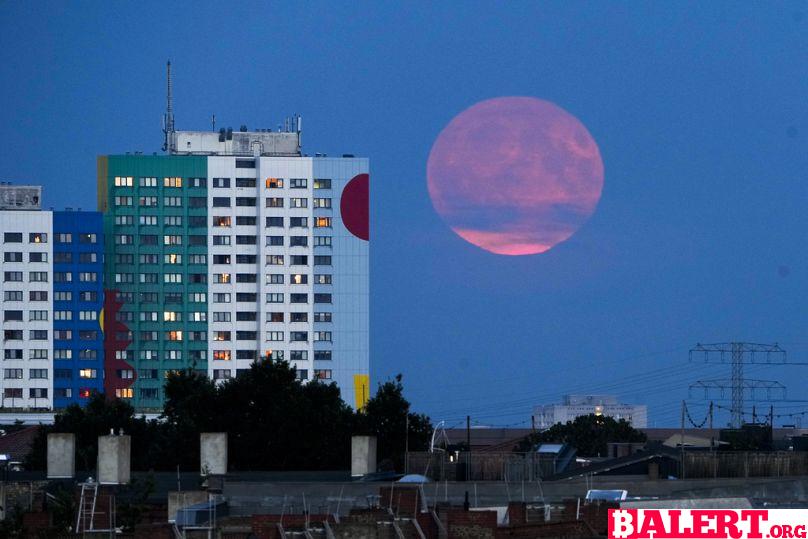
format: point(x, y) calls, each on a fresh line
point(440, 466)
point(699, 465)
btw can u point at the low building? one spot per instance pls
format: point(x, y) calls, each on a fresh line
point(573, 406)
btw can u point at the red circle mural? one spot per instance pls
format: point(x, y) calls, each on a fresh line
point(354, 206)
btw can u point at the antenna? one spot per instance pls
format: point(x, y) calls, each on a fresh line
point(168, 118)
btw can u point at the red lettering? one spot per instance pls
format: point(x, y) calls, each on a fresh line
point(652, 524)
point(726, 525)
point(701, 524)
point(787, 531)
point(775, 531)
point(799, 532)
point(755, 517)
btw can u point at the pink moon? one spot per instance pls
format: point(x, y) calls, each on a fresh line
point(515, 175)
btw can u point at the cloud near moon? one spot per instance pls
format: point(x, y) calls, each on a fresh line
point(515, 175)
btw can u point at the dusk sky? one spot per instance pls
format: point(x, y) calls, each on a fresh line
point(698, 109)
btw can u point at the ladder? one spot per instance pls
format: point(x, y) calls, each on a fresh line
point(86, 513)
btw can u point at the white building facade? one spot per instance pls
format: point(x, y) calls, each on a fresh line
point(574, 406)
point(26, 292)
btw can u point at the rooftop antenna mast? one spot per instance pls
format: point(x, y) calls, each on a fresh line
point(168, 117)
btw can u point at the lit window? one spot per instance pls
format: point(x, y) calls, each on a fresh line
point(87, 373)
point(223, 220)
point(221, 355)
point(274, 183)
point(124, 393)
point(123, 181)
point(323, 222)
point(172, 182)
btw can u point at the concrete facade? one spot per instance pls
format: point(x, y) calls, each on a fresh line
point(363, 455)
point(114, 459)
point(61, 455)
point(213, 453)
point(579, 405)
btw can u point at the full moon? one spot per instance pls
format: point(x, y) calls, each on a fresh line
point(515, 175)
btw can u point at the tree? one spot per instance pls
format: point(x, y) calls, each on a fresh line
point(589, 434)
point(386, 416)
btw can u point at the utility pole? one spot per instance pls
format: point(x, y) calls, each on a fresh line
point(682, 440)
point(468, 447)
point(406, 442)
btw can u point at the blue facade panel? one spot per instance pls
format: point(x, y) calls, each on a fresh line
point(78, 346)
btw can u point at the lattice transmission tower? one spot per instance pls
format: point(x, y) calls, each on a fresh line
point(739, 354)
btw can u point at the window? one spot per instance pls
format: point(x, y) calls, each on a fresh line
point(245, 220)
point(172, 239)
point(38, 374)
point(222, 374)
point(13, 276)
point(322, 222)
point(62, 334)
point(128, 220)
point(88, 276)
point(221, 202)
point(275, 260)
point(275, 335)
point(38, 393)
point(275, 317)
point(245, 201)
point(124, 239)
point(171, 220)
point(245, 163)
point(147, 374)
point(322, 374)
point(197, 221)
point(89, 296)
point(38, 276)
point(12, 316)
point(198, 259)
point(246, 335)
point(62, 315)
point(322, 260)
point(172, 182)
point(12, 393)
point(245, 182)
point(148, 355)
point(37, 237)
point(88, 354)
point(172, 278)
point(298, 241)
point(246, 278)
point(298, 317)
point(88, 258)
point(322, 336)
point(221, 259)
point(12, 335)
point(198, 182)
point(297, 183)
point(123, 181)
point(147, 201)
point(87, 373)
point(221, 182)
point(125, 259)
point(299, 278)
point(274, 222)
point(197, 202)
point(88, 315)
point(15, 295)
point(61, 258)
point(221, 240)
point(62, 354)
point(63, 392)
point(197, 239)
point(124, 201)
point(37, 257)
point(221, 316)
point(38, 353)
point(274, 202)
point(322, 298)
point(198, 278)
point(221, 221)
point(148, 393)
point(221, 335)
point(274, 297)
point(88, 238)
point(12, 374)
point(220, 297)
point(172, 202)
point(274, 183)
point(322, 184)
point(37, 316)
point(197, 297)
point(299, 203)
point(152, 297)
point(322, 241)
point(299, 260)
point(147, 239)
point(118, 278)
point(246, 259)
point(148, 182)
point(302, 374)
point(299, 355)
point(12, 257)
point(174, 335)
point(274, 241)
point(12, 237)
point(322, 278)
point(9, 353)
point(88, 335)
point(246, 240)
point(64, 238)
point(124, 393)
point(322, 317)
point(298, 298)
point(148, 278)
point(222, 278)
point(198, 316)
point(299, 336)
point(322, 202)
point(275, 278)
point(170, 258)
point(245, 354)
point(246, 297)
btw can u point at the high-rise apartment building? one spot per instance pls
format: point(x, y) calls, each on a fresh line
point(574, 406)
point(234, 247)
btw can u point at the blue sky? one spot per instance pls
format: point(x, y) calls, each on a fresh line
point(698, 108)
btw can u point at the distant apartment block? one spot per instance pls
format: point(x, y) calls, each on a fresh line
point(574, 406)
